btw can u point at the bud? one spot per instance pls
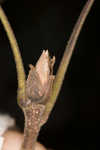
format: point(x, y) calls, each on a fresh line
point(40, 79)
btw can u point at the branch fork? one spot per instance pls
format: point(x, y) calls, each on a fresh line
point(37, 95)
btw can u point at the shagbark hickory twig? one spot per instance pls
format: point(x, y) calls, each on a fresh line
point(39, 93)
point(38, 89)
point(49, 103)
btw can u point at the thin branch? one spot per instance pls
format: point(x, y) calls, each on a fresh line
point(38, 88)
point(67, 56)
point(16, 53)
point(35, 107)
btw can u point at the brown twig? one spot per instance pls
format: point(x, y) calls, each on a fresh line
point(37, 100)
point(60, 74)
point(38, 90)
point(33, 114)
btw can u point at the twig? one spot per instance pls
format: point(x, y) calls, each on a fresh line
point(38, 89)
point(16, 53)
point(36, 99)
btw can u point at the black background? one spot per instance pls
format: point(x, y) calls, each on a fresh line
point(45, 24)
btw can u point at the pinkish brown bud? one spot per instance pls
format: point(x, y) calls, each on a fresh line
point(40, 79)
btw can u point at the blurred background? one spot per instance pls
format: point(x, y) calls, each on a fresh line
point(45, 24)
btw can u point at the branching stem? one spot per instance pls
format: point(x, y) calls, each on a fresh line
point(37, 114)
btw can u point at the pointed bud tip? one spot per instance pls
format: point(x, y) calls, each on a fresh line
point(40, 78)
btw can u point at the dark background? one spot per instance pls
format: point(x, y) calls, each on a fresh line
point(45, 24)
